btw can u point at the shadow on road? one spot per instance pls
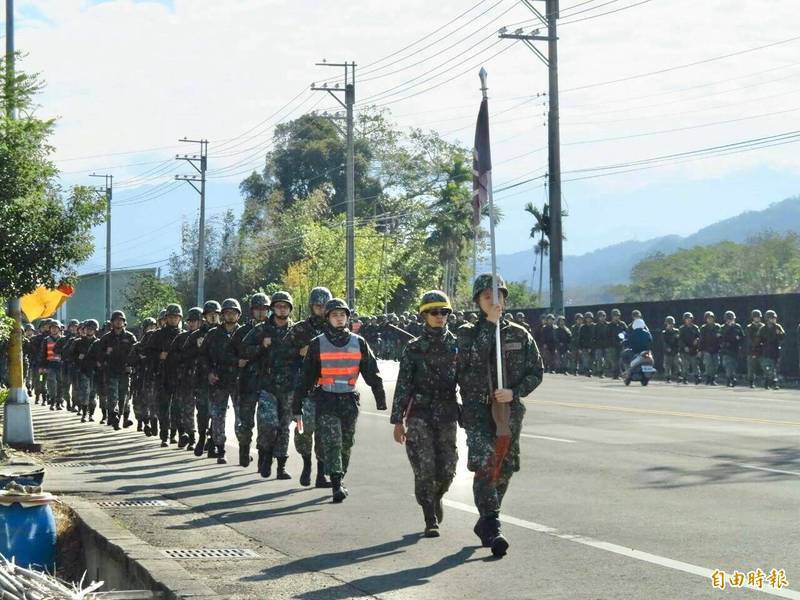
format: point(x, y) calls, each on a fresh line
point(777, 464)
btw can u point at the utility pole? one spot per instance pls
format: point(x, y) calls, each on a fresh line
point(348, 104)
point(17, 418)
point(550, 60)
point(108, 191)
point(200, 163)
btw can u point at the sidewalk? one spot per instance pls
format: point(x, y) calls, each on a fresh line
point(101, 465)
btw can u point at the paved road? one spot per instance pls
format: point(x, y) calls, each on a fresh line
point(624, 493)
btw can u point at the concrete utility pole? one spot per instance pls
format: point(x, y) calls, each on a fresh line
point(201, 160)
point(17, 420)
point(108, 190)
point(554, 140)
point(348, 104)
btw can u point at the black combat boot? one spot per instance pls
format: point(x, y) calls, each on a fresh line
point(431, 523)
point(115, 424)
point(139, 425)
point(211, 448)
point(83, 416)
point(154, 427)
point(305, 475)
point(173, 436)
point(321, 482)
point(164, 442)
point(201, 443)
point(221, 455)
point(91, 416)
point(480, 531)
point(260, 459)
point(182, 441)
point(244, 456)
point(497, 541)
point(282, 474)
point(265, 470)
point(127, 420)
point(339, 491)
point(438, 508)
point(190, 442)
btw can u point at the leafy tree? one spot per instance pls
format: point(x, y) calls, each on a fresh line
point(147, 295)
point(519, 296)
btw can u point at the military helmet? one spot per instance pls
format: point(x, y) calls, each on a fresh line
point(211, 306)
point(670, 319)
point(601, 313)
point(195, 314)
point(231, 304)
point(73, 322)
point(284, 297)
point(615, 312)
point(336, 304)
point(174, 310)
point(259, 300)
point(588, 315)
point(771, 314)
point(756, 313)
point(687, 315)
point(520, 316)
point(578, 316)
point(91, 324)
point(729, 314)
point(320, 295)
point(460, 314)
point(162, 314)
point(28, 327)
point(484, 282)
point(509, 316)
point(709, 313)
point(148, 322)
point(434, 299)
point(118, 314)
point(560, 318)
point(550, 317)
point(55, 322)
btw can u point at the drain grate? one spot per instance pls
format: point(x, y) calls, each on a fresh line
point(219, 553)
point(131, 503)
point(68, 465)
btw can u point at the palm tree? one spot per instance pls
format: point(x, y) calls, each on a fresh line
point(541, 229)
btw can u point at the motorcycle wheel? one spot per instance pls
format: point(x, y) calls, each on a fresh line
point(627, 381)
point(645, 381)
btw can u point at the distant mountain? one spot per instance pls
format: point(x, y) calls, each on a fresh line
point(588, 275)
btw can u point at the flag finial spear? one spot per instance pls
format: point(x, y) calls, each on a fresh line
point(483, 75)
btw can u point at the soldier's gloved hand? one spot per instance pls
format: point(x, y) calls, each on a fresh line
point(380, 402)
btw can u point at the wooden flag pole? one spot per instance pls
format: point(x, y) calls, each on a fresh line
point(495, 292)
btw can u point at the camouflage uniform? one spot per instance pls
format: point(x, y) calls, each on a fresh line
point(39, 388)
point(731, 337)
point(753, 357)
point(689, 336)
point(197, 379)
point(573, 360)
point(115, 349)
point(164, 375)
point(425, 396)
point(770, 338)
point(672, 359)
point(476, 375)
point(599, 345)
point(710, 346)
point(586, 345)
point(85, 364)
point(613, 346)
point(337, 411)
point(51, 361)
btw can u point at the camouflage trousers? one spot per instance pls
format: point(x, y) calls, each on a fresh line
point(53, 379)
point(336, 425)
point(202, 404)
point(585, 355)
point(117, 398)
point(274, 417)
point(245, 417)
point(168, 412)
point(753, 367)
point(730, 362)
point(770, 368)
point(218, 410)
point(487, 491)
point(183, 400)
point(39, 382)
point(690, 365)
point(64, 389)
point(433, 455)
point(598, 361)
point(309, 440)
point(611, 359)
point(86, 393)
point(710, 365)
point(672, 366)
point(572, 361)
point(28, 376)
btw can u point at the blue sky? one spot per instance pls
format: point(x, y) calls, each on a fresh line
point(127, 79)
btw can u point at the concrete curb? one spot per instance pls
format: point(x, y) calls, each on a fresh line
point(121, 559)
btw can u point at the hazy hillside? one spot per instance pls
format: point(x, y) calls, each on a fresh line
point(595, 270)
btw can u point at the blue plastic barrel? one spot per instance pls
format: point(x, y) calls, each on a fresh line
point(28, 535)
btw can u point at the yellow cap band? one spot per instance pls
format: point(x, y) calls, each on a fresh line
point(431, 305)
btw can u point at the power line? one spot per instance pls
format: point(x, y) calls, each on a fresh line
point(610, 12)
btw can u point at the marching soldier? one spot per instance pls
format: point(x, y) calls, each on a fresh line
point(573, 362)
point(563, 337)
point(425, 410)
point(330, 370)
point(115, 348)
point(27, 350)
point(586, 343)
point(85, 364)
point(731, 336)
point(221, 369)
point(139, 377)
point(69, 394)
point(198, 378)
point(710, 346)
point(158, 348)
point(753, 357)
point(274, 357)
point(600, 343)
point(247, 392)
point(37, 364)
point(689, 335)
point(672, 343)
point(50, 361)
point(493, 415)
point(183, 394)
point(299, 337)
point(613, 349)
point(770, 338)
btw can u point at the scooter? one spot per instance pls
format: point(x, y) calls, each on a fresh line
point(644, 371)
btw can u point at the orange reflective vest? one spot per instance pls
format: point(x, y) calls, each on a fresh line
point(339, 365)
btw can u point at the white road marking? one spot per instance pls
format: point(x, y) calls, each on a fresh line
point(754, 467)
point(655, 559)
point(545, 437)
point(528, 435)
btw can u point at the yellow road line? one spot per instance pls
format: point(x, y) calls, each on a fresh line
point(649, 411)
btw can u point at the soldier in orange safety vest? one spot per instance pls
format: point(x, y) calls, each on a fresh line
point(330, 372)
